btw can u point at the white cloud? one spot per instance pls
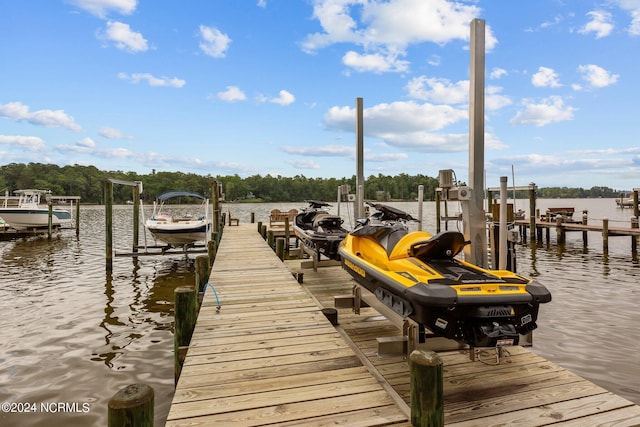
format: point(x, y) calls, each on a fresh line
point(385, 29)
point(633, 8)
point(438, 90)
point(30, 143)
point(48, 118)
point(124, 38)
point(262, 3)
point(86, 142)
point(233, 93)
point(596, 76)
point(600, 24)
point(493, 100)
point(214, 43)
point(497, 73)
point(396, 117)
point(111, 133)
point(152, 80)
point(376, 62)
point(303, 164)
point(284, 98)
point(550, 110)
point(100, 8)
point(634, 26)
point(321, 151)
point(545, 77)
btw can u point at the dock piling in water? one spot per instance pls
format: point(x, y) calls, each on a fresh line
point(185, 304)
point(132, 406)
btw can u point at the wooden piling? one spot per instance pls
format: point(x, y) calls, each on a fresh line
point(270, 238)
point(136, 218)
point(78, 217)
point(605, 235)
point(331, 314)
point(263, 232)
point(108, 224)
point(634, 239)
point(287, 237)
point(280, 247)
point(202, 272)
point(50, 221)
point(212, 250)
point(260, 227)
point(560, 231)
point(132, 406)
point(584, 233)
point(185, 315)
point(426, 388)
point(215, 208)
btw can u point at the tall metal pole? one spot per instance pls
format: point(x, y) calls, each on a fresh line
point(502, 241)
point(358, 210)
point(475, 222)
point(420, 202)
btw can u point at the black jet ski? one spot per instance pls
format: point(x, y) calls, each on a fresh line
point(319, 230)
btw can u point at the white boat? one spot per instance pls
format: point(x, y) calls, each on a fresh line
point(29, 214)
point(179, 230)
point(625, 201)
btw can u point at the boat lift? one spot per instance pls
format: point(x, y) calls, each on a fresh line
point(473, 217)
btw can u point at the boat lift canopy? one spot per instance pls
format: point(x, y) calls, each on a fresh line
point(173, 194)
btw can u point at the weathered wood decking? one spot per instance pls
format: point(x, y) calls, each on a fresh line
point(270, 357)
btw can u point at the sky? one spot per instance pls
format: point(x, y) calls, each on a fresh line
point(257, 87)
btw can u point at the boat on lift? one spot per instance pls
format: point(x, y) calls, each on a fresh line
point(29, 214)
point(419, 276)
point(179, 230)
point(319, 230)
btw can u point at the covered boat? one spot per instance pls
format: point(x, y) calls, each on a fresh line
point(418, 276)
point(319, 230)
point(30, 214)
point(179, 230)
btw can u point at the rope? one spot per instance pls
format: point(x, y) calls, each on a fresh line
point(215, 293)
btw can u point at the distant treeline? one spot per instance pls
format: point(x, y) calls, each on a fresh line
point(88, 183)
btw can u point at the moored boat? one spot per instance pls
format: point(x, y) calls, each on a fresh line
point(29, 214)
point(179, 230)
point(418, 276)
point(319, 230)
point(624, 201)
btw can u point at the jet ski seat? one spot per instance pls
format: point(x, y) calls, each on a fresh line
point(444, 245)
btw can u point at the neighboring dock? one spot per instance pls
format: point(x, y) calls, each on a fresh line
point(270, 356)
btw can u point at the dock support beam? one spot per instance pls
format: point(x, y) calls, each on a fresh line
point(358, 210)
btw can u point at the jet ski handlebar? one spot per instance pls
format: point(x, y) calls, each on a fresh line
point(389, 213)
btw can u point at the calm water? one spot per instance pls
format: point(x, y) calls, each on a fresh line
point(73, 334)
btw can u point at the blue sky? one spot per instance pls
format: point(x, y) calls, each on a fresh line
point(269, 87)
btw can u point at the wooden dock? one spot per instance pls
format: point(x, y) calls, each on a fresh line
point(563, 227)
point(271, 357)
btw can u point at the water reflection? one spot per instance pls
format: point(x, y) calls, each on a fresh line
point(149, 303)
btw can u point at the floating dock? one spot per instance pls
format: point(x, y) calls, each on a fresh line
point(270, 356)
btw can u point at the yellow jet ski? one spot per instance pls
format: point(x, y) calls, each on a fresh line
point(419, 277)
